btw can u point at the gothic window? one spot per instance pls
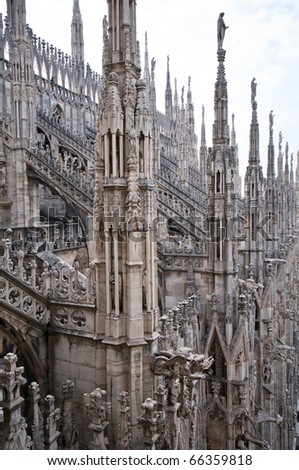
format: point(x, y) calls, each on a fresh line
point(118, 156)
point(269, 223)
point(110, 152)
point(252, 226)
point(141, 153)
point(257, 321)
point(218, 182)
point(215, 234)
point(218, 240)
point(57, 113)
point(17, 74)
point(27, 73)
point(218, 248)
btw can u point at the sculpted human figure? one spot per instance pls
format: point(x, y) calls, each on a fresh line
point(253, 90)
point(271, 120)
point(267, 371)
point(105, 27)
point(221, 28)
point(132, 140)
point(153, 65)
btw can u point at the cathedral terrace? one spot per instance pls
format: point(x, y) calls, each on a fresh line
point(148, 299)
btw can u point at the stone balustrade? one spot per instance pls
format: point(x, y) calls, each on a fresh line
point(77, 187)
point(60, 282)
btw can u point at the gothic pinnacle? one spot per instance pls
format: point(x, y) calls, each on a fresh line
point(254, 128)
point(220, 128)
point(203, 127)
point(253, 101)
point(271, 122)
point(270, 168)
point(76, 6)
point(146, 71)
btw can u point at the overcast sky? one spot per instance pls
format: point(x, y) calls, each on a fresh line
point(262, 42)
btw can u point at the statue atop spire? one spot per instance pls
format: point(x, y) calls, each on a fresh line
point(153, 66)
point(253, 90)
point(220, 127)
point(221, 28)
point(271, 121)
point(254, 158)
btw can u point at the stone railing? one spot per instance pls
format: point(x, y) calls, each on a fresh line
point(77, 187)
point(51, 283)
point(182, 253)
point(74, 140)
point(44, 237)
point(186, 193)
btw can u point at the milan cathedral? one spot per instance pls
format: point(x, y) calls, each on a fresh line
point(145, 302)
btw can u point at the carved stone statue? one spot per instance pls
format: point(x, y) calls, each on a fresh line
point(105, 27)
point(132, 141)
point(253, 90)
point(280, 136)
point(271, 120)
point(267, 372)
point(221, 28)
point(153, 65)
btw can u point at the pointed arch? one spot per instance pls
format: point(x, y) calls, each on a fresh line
point(16, 338)
point(213, 334)
point(58, 113)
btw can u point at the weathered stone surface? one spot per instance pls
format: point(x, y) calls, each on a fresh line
point(129, 257)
